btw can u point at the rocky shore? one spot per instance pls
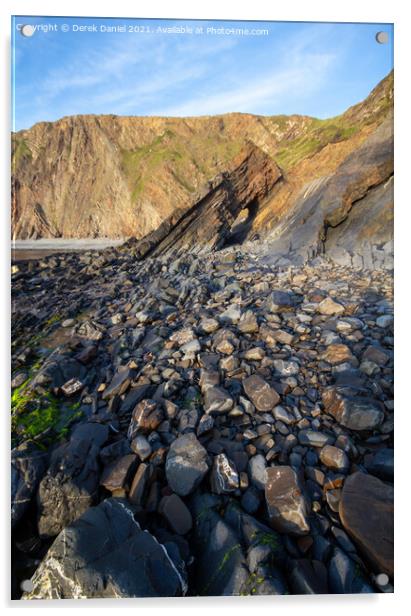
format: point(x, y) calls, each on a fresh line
point(201, 425)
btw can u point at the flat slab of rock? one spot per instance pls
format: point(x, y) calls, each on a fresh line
point(367, 513)
point(186, 464)
point(352, 412)
point(285, 501)
point(105, 554)
point(261, 394)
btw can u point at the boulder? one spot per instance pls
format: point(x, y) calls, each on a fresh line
point(28, 465)
point(367, 513)
point(70, 485)
point(105, 554)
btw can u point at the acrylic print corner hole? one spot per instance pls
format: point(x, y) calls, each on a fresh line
point(202, 308)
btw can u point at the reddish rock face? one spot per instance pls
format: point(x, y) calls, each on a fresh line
point(264, 397)
point(367, 513)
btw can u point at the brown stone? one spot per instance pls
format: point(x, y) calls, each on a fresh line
point(338, 354)
point(264, 397)
point(353, 412)
point(286, 505)
point(367, 513)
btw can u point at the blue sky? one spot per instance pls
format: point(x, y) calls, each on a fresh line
point(316, 69)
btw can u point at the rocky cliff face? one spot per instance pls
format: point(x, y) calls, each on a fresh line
point(108, 176)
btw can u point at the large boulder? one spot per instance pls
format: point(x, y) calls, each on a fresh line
point(105, 554)
point(28, 465)
point(186, 464)
point(367, 513)
point(71, 483)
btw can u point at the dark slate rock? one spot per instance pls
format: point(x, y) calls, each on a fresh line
point(71, 483)
point(381, 464)
point(345, 576)
point(308, 577)
point(28, 465)
point(367, 513)
point(117, 474)
point(105, 554)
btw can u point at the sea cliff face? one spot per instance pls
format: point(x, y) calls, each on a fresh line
point(119, 177)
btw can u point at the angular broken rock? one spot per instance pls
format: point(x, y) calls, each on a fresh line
point(329, 307)
point(71, 387)
point(146, 418)
point(186, 464)
point(248, 323)
point(264, 397)
point(224, 476)
point(285, 501)
point(119, 383)
point(90, 330)
point(141, 447)
point(279, 301)
point(352, 412)
point(116, 475)
point(217, 400)
point(367, 513)
point(105, 554)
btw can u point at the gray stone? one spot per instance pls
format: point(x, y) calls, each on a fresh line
point(257, 470)
point(286, 368)
point(186, 464)
point(28, 465)
point(313, 438)
point(141, 447)
point(217, 401)
point(367, 514)
point(105, 554)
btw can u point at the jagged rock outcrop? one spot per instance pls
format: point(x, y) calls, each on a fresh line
point(206, 225)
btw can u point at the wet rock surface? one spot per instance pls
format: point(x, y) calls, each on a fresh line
point(225, 413)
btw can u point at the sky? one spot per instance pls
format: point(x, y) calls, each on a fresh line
point(78, 66)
